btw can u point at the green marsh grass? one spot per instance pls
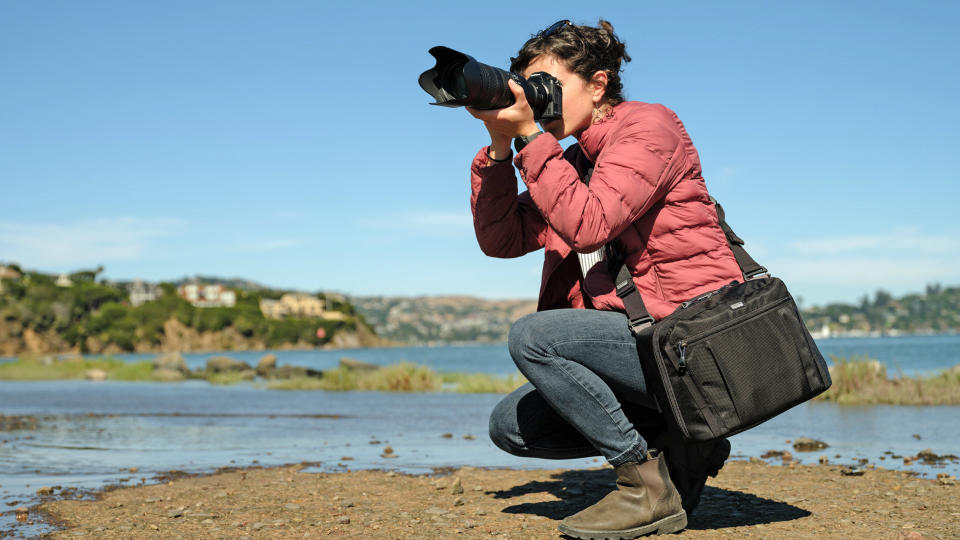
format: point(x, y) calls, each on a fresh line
point(860, 380)
point(27, 368)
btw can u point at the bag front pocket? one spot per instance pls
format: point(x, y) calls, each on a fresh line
point(750, 368)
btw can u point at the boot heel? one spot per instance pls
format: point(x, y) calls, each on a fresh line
point(673, 524)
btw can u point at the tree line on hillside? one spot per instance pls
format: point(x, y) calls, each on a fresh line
point(937, 310)
point(91, 309)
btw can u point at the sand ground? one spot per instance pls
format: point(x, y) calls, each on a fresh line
point(747, 500)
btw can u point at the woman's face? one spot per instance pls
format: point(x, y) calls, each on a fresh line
point(579, 96)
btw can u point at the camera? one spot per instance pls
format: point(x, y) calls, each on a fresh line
point(459, 80)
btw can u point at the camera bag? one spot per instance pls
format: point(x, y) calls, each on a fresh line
point(730, 359)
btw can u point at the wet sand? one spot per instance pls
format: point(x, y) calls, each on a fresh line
point(747, 500)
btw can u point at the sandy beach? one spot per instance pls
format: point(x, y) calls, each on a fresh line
point(749, 499)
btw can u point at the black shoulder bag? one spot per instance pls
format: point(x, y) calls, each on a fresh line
point(730, 359)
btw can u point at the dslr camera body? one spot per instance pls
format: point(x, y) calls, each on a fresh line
point(459, 80)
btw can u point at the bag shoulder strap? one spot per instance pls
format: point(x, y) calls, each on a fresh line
point(639, 317)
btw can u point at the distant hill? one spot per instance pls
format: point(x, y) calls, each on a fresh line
point(441, 319)
point(451, 319)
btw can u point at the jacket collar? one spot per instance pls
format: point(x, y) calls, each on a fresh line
point(593, 139)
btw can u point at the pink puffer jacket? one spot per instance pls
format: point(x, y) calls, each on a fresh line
point(646, 190)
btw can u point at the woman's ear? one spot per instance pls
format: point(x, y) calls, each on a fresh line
point(598, 86)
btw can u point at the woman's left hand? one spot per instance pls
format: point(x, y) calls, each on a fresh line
point(513, 121)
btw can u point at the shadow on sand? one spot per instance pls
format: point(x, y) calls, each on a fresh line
point(719, 508)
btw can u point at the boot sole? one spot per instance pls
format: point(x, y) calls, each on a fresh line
point(668, 525)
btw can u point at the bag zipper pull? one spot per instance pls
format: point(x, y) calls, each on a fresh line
point(682, 347)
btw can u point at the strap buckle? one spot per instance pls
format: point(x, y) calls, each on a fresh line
point(758, 273)
point(641, 323)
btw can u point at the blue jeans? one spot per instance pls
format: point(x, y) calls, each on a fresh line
point(586, 395)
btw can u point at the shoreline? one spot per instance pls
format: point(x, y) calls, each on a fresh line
point(747, 498)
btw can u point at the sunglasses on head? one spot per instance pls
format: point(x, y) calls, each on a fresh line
point(556, 27)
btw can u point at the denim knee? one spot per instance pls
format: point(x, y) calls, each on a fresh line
point(529, 341)
point(504, 431)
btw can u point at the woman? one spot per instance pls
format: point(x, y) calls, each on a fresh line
point(631, 181)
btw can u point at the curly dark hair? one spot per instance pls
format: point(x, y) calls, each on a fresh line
point(584, 49)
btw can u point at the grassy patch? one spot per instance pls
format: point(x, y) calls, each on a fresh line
point(481, 383)
point(48, 369)
point(402, 377)
point(862, 381)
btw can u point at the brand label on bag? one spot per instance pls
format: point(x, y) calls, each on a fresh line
point(738, 305)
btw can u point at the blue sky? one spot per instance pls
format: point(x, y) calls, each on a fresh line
point(289, 142)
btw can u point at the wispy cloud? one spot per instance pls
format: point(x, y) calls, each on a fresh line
point(82, 242)
point(904, 240)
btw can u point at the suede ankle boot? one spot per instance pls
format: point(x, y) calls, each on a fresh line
point(644, 502)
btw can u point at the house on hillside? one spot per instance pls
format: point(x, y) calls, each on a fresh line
point(295, 305)
point(142, 292)
point(7, 272)
point(63, 280)
point(207, 295)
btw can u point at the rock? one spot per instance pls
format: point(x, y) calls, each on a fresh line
point(913, 535)
point(357, 365)
point(469, 437)
point(167, 375)
point(458, 501)
point(289, 372)
point(916, 436)
point(824, 460)
point(946, 480)
point(292, 507)
point(346, 458)
point(173, 361)
point(222, 364)
point(805, 444)
point(267, 363)
point(786, 456)
point(447, 435)
point(95, 375)
point(852, 471)
point(343, 520)
point(772, 454)
point(22, 513)
point(258, 525)
point(388, 449)
point(45, 490)
point(457, 486)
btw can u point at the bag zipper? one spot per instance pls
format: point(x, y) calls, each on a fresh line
point(683, 344)
point(702, 297)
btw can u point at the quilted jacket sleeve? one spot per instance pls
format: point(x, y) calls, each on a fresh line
point(632, 173)
point(506, 224)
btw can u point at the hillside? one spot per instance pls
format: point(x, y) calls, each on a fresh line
point(441, 319)
point(41, 313)
point(448, 319)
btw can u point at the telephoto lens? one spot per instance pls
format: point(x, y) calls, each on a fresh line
point(459, 80)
